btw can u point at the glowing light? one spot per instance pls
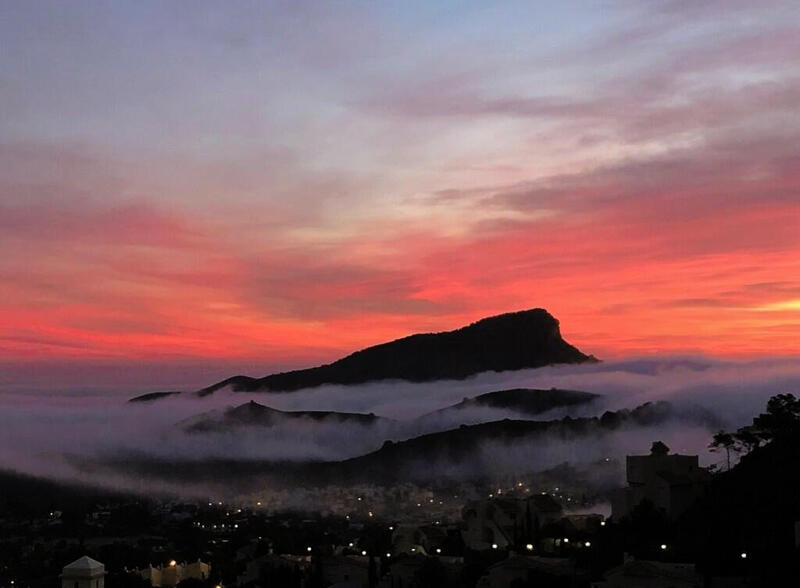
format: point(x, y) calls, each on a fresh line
point(529, 547)
point(602, 523)
point(494, 545)
point(438, 550)
point(388, 555)
point(173, 563)
point(588, 544)
point(363, 553)
point(308, 549)
point(743, 555)
point(566, 539)
point(663, 546)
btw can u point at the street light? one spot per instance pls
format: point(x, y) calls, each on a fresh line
point(743, 555)
point(663, 547)
point(529, 547)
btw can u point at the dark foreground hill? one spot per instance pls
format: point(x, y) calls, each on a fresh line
point(253, 414)
point(513, 341)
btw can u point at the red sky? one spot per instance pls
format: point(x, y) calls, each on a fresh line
point(278, 186)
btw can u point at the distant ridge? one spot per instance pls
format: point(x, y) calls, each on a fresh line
point(529, 401)
point(512, 341)
point(151, 396)
point(252, 414)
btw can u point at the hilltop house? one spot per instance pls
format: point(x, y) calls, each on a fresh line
point(671, 482)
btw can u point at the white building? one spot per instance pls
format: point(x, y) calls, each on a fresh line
point(170, 575)
point(84, 572)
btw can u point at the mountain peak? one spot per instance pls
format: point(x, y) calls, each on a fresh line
point(511, 341)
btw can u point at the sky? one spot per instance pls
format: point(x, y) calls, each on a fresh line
point(192, 189)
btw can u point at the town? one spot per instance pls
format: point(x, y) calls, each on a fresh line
point(666, 527)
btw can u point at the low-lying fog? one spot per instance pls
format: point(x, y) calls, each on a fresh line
point(46, 435)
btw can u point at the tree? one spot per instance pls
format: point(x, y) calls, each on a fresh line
point(728, 442)
point(659, 448)
point(781, 420)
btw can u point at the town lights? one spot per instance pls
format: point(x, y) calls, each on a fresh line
point(363, 553)
point(172, 563)
point(494, 545)
point(349, 544)
point(529, 547)
point(588, 544)
point(602, 523)
point(308, 549)
point(743, 555)
point(388, 555)
point(438, 550)
point(566, 539)
point(663, 547)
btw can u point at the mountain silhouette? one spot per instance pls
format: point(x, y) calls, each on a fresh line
point(512, 341)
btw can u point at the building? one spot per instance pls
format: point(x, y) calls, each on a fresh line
point(653, 574)
point(671, 482)
point(170, 575)
point(84, 572)
point(534, 570)
point(500, 523)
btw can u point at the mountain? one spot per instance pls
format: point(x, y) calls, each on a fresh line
point(513, 341)
point(529, 401)
point(252, 414)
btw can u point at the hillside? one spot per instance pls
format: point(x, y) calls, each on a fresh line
point(253, 414)
point(513, 341)
point(528, 401)
point(435, 456)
